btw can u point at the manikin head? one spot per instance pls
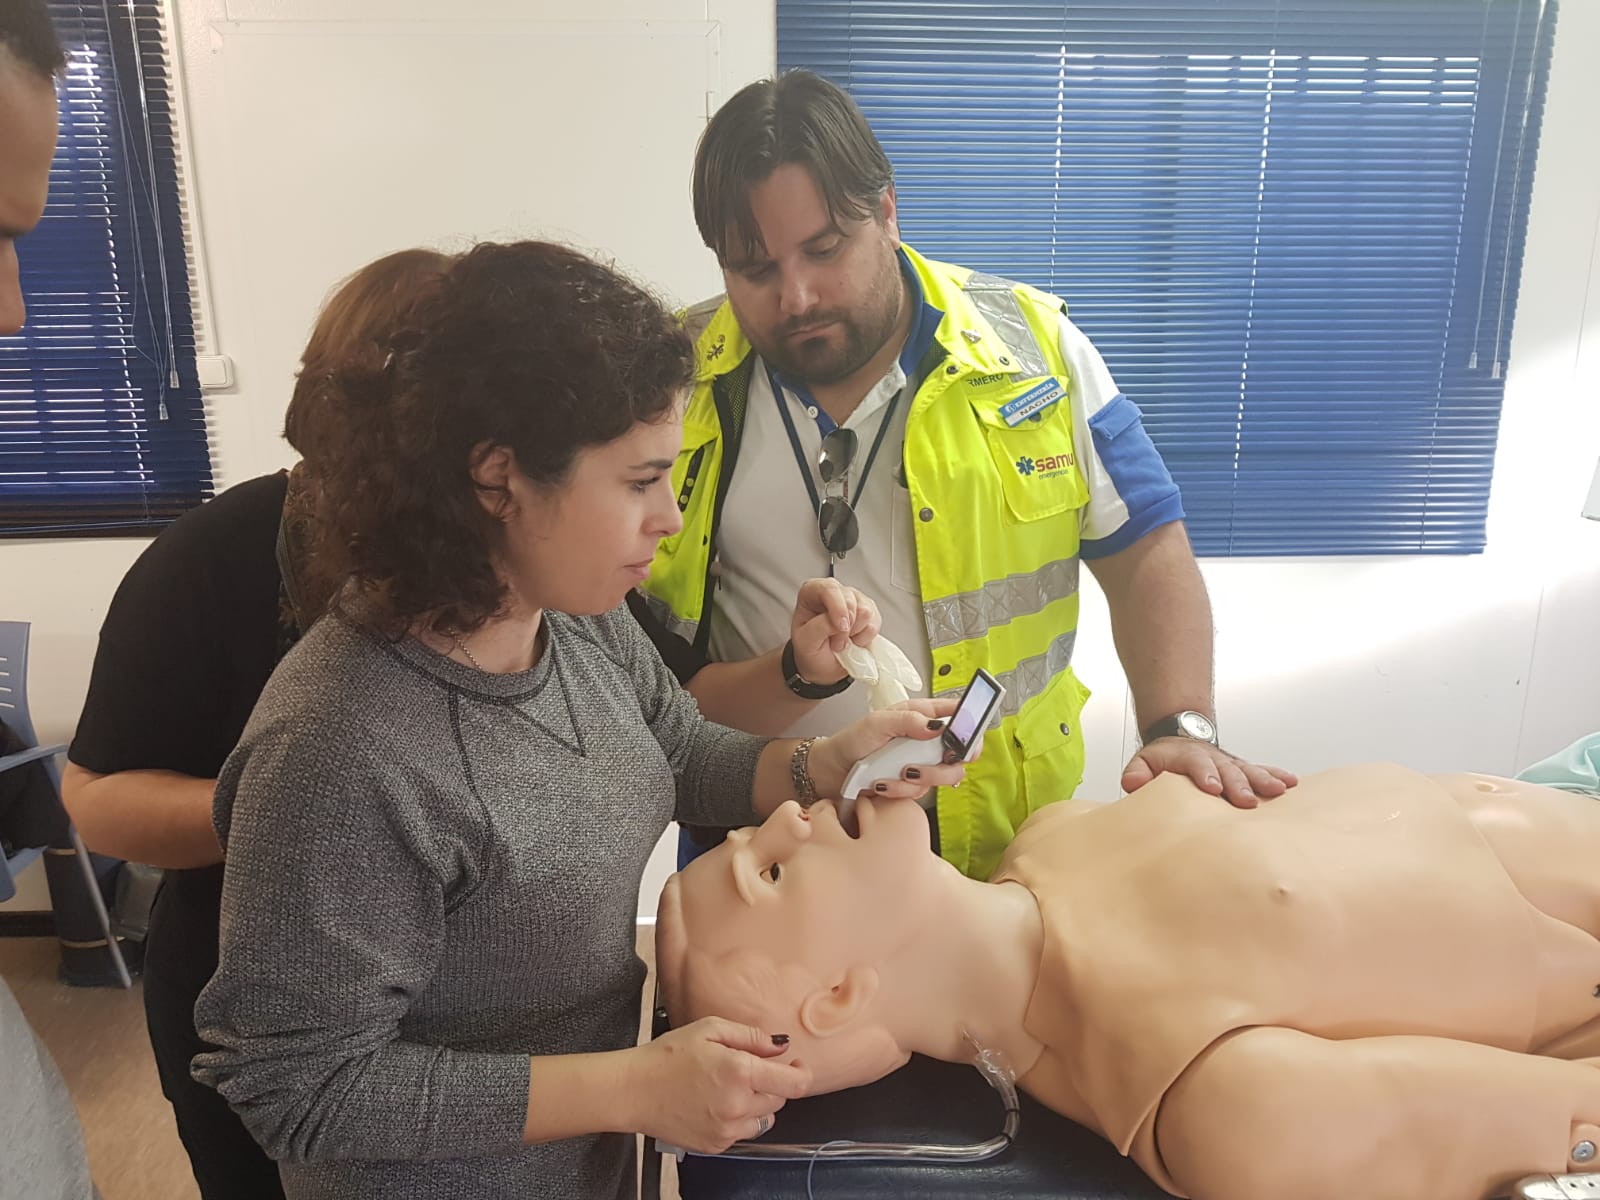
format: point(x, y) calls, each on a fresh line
point(796, 927)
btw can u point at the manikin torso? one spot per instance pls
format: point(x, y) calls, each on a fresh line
point(1365, 902)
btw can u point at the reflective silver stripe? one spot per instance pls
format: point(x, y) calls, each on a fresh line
point(968, 615)
point(996, 299)
point(662, 611)
point(1031, 676)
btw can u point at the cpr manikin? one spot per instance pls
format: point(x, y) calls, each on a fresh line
point(1381, 984)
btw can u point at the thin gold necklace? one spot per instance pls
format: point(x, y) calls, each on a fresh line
point(461, 645)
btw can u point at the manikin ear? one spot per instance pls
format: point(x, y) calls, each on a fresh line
point(823, 1014)
point(492, 469)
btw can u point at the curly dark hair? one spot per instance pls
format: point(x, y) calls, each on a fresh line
point(530, 346)
point(354, 331)
point(357, 326)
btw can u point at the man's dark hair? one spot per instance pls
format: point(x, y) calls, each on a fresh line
point(796, 118)
point(28, 36)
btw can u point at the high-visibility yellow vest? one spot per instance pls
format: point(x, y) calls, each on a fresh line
point(996, 496)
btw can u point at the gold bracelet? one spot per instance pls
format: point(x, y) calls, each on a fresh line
point(800, 774)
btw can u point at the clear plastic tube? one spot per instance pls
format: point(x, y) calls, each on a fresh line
point(991, 1064)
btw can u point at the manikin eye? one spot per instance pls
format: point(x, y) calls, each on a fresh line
point(774, 872)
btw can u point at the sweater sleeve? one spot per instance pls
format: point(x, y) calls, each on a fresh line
point(715, 766)
point(332, 918)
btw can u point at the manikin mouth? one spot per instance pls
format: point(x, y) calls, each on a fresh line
point(829, 808)
point(850, 819)
point(865, 813)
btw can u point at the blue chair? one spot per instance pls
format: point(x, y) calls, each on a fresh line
point(14, 713)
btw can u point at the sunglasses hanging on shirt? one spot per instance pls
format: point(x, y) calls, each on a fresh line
point(836, 519)
point(837, 525)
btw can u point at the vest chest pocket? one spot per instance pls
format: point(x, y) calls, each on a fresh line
point(1051, 743)
point(1035, 460)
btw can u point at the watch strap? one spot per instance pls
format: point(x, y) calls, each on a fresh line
point(802, 687)
point(1173, 726)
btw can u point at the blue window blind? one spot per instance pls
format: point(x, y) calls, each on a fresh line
point(101, 424)
point(1292, 227)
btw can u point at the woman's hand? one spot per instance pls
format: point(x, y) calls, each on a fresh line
point(827, 617)
point(712, 1083)
point(832, 757)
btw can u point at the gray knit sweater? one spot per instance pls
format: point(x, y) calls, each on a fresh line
point(432, 874)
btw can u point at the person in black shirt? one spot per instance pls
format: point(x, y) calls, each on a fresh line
point(194, 631)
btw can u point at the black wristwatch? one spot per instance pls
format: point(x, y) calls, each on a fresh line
point(800, 686)
point(1188, 723)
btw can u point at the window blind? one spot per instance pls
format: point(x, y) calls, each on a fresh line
point(102, 429)
point(1293, 228)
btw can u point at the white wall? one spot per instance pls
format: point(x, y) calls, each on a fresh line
point(326, 132)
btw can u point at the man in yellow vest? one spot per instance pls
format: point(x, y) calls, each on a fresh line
point(942, 441)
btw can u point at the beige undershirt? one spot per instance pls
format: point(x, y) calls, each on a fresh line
point(770, 531)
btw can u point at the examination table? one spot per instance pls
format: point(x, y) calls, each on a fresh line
point(924, 1101)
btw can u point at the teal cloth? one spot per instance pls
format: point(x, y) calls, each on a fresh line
point(1575, 769)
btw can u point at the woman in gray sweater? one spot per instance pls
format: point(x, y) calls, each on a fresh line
point(437, 819)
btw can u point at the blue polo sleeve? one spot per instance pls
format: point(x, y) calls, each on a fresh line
point(1131, 492)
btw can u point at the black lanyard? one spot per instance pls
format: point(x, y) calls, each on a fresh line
point(800, 455)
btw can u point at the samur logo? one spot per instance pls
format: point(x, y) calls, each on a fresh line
point(1046, 467)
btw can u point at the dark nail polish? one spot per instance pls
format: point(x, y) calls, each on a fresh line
point(913, 773)
point(780, 1039)
point(880, 787)
point(935, 724)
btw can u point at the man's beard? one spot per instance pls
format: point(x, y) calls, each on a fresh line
point(823, 360)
